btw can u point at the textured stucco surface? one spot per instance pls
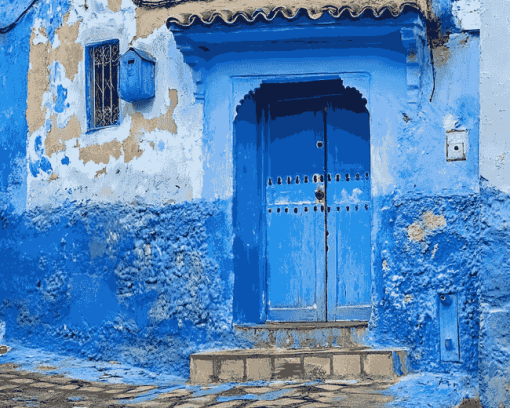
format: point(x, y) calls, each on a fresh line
point(445, 259)
point(146, 285)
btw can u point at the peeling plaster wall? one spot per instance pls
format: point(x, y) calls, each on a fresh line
point(153, 156)
point(100, 229)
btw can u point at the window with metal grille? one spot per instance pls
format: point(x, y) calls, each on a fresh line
point(102, 84)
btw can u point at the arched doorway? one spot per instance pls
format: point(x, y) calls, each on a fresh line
point(305, 195)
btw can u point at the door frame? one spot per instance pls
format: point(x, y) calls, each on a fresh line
point(241, 87)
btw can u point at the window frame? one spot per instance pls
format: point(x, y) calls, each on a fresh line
point(89, 91)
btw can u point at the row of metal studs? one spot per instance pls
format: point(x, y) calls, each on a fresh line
point(320, 177)
point(347, 208)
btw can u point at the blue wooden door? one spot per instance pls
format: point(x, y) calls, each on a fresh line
point(318, 248)
point(348, 219)
point(296, 269)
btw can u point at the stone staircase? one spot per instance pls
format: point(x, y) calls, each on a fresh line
point(293, 351)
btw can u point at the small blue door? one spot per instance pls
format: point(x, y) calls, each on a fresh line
point(317, 211)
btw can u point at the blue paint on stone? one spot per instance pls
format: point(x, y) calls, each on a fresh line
point(432, 390)
point(60, 104)
point(34, 167)
point(157, 295)
point(38, 145)
point(445, 261)
point(42, 163)
point(30, 359)
point(45, 165)
point(65, 161)
point(268, 396)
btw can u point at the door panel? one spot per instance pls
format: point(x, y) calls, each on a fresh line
point(295, 222)
point(317, 212)
point(348, 222)
point(296, 264)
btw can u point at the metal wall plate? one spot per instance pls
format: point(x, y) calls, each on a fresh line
point(449, 328)
point(456, 145)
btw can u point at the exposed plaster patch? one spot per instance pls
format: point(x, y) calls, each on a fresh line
point(148, 20)
point(114, 5)
point(140, 125)
point(38, 82)
point(101, 153)
point(131, 148)
point(99, 172)
point(69, 53)
point(56, 138)
point(441, 55)
point(449, 122)
point(106, 192)
point(42, 54)
point(53, 176)
point(429, 222)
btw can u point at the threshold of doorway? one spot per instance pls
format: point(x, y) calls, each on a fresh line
point(302, 325)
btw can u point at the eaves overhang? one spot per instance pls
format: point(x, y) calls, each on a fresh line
point(186, 13)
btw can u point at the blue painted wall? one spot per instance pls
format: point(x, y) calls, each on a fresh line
point(494, 300)
point(14, 48)
point(414, 273)
point(147, 285)
point(150, 284)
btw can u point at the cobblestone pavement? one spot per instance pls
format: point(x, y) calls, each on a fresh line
point(28, 389)
point(20, 388)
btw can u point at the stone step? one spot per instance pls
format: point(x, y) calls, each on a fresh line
point(289, 364)
point(343, 334)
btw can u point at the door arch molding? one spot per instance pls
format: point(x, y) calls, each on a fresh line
point(248, 118)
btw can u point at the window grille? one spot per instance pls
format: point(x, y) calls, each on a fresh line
point(103, 74)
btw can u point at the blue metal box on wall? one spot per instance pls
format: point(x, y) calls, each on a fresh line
point(137, 76)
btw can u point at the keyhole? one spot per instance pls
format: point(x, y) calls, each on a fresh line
point(456, 148)
point(319, 195)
